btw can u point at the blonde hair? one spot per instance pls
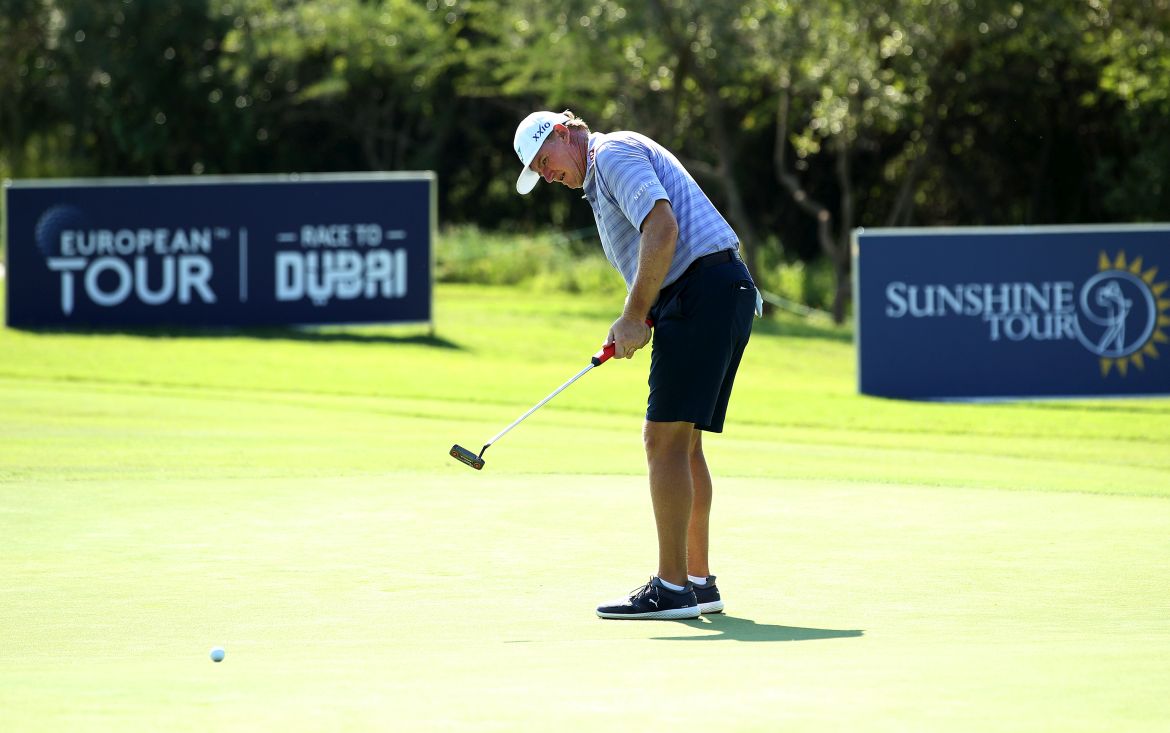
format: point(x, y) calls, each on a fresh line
point(574, 122)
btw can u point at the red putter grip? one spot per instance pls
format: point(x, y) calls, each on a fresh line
point(607, 351)
point(603, 356)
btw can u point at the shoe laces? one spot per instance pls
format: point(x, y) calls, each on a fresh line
point(645, 589)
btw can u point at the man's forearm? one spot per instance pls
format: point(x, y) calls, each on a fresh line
point(655, 253)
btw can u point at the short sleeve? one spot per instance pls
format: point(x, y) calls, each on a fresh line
point(630, 178)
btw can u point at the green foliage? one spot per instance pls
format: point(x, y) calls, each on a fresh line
point(809, 282)
point(544, 263)
point(371, 76)
point(137, 78)
point(1127, 41)
point(29, 80)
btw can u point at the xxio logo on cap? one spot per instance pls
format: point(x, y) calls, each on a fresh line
point(536, 138)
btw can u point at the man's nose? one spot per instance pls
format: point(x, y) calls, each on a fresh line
point(548, 176)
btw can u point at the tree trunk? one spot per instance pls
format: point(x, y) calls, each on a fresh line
point(724, 172)
point(903, 207)
point(807, 204)
point(736, 209)
point(842, 255)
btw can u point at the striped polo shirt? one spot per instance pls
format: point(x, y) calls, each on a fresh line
point(626, 174)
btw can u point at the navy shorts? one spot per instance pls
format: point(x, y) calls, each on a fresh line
point(702, 323)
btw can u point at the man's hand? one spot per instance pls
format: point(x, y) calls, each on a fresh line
point(628, 334)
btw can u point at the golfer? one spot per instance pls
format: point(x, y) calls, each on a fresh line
point(680, 260)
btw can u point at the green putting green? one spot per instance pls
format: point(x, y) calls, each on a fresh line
point(287, 495)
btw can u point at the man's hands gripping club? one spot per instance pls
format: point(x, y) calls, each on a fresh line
point(628, 334)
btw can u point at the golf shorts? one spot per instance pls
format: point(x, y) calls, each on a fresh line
point(702, 323)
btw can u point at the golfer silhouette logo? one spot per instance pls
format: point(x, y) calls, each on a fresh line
point(1121, 312)
point(1117, 306)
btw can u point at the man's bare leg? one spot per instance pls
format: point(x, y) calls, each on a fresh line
point(699, 531)
point(668, 456)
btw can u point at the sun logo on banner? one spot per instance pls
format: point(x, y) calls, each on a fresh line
point(1123, 312)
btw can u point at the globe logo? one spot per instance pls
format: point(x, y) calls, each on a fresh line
point(57, 219)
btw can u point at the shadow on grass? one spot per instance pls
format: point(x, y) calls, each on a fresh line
point(731, 628)
point(302, 334)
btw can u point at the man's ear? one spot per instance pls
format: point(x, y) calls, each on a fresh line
point(561, 130)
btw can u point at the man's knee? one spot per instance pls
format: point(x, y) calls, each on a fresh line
point(696, 445)
point(663, 439)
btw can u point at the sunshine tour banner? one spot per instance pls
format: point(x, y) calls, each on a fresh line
point(1013, 312)
point(220, 251)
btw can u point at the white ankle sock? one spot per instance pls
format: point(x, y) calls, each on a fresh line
point(697, 581)
point(671, 586)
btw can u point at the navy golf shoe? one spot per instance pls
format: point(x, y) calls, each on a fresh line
point(653, 601)
point(708, 596)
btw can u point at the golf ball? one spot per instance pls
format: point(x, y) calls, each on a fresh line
point(217, 654)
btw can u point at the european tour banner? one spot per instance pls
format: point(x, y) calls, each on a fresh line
point(1013, 312)
point(220, 251)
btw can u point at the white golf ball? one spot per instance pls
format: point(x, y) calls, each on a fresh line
point(217, 654)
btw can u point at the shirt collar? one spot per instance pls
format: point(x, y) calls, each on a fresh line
point(590, 179)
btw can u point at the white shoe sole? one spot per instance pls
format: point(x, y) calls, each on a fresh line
point(712, 607)
point(668, 614)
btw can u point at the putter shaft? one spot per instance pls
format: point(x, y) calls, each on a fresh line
point(463, 455)
point(536, 407)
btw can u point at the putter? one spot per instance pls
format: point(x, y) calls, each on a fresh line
point(463, 455)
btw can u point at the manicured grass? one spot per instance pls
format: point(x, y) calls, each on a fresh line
point(888, 566)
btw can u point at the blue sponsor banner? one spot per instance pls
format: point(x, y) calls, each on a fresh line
point(1013, 312)
point(228, 251)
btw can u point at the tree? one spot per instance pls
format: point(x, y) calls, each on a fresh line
point(135, 83)
point(30, 83)
point(1126, 42)
point(802, 120)
point(344, 79)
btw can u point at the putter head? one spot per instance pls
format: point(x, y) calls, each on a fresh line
point(463, 455)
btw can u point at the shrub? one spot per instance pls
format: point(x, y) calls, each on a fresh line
point(545, 262)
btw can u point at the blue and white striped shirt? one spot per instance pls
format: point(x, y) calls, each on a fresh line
point(627, 173)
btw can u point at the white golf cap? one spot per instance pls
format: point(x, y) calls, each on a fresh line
point(530, 135)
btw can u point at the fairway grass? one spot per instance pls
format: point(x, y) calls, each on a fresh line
point(887, 566)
